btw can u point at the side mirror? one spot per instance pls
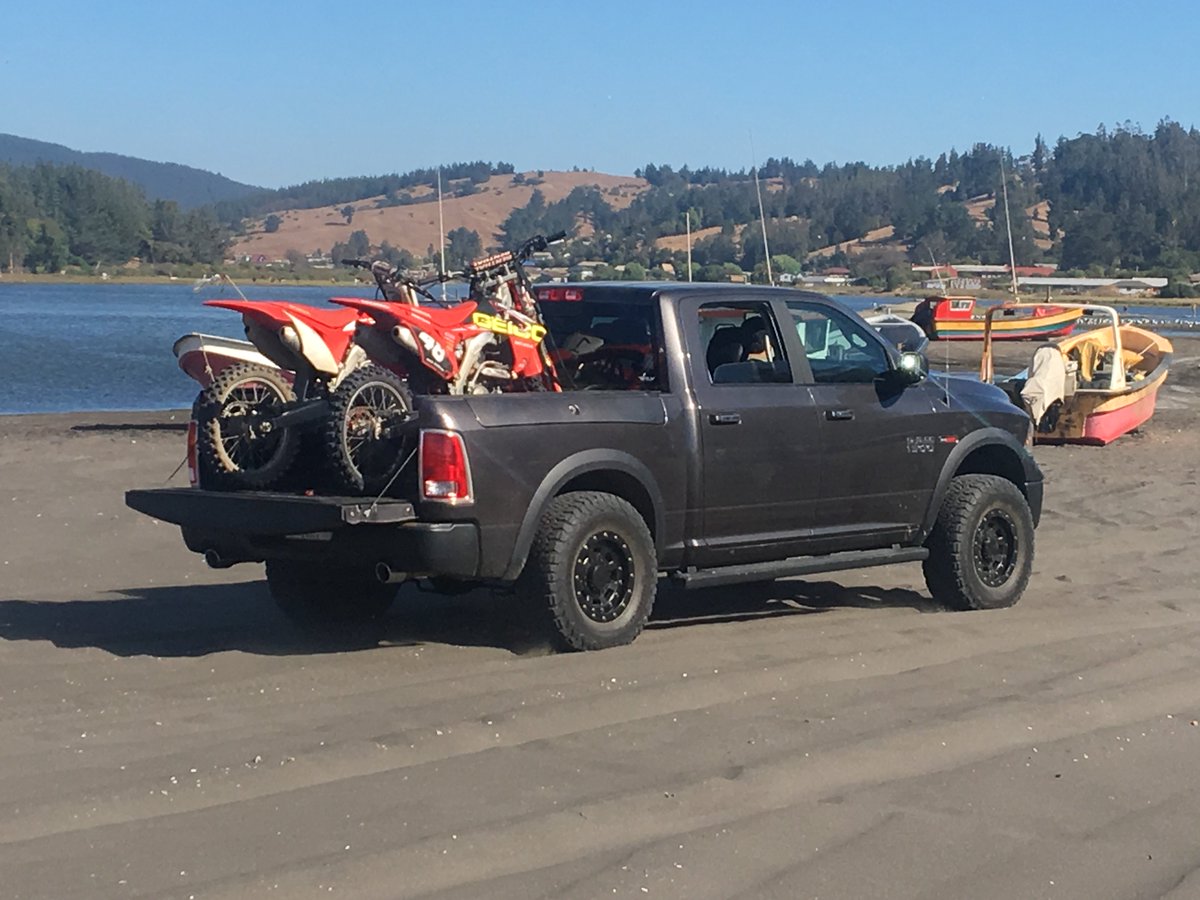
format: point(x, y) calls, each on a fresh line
point(911, 367)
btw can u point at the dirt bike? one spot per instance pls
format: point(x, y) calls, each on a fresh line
point(251, 418)
point(493, 341)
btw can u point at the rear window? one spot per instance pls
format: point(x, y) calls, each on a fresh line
point(605, 346)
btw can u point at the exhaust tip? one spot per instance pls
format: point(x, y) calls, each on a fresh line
point(387, 575)
point(215, 560)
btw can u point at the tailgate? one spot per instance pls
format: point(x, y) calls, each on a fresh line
point(265, 513)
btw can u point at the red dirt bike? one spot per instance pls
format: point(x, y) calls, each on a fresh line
point(251, 418)
point(493, 341)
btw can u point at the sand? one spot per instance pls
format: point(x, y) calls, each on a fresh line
point(164, 733)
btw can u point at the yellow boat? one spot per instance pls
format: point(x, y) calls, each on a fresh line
point(1092, 387)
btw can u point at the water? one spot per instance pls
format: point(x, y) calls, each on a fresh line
point(76, 347)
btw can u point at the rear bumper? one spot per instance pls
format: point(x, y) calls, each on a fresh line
point(231, 528)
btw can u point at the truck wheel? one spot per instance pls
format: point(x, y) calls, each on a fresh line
point(316, 595)
point(364, 437)
point(593, 569)
point(981, 547)
point(234, 442)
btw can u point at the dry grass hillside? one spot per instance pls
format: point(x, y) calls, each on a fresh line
point(415, 227)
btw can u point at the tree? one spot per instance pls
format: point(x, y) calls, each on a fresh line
point(781, 262)
point(48, 251)
point(272, 223)
point(462, 246)
point(348, 212)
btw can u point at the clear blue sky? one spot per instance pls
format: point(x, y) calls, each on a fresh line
point(275, 93)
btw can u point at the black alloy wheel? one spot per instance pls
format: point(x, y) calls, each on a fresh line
point(603, 577)
point(996, 547)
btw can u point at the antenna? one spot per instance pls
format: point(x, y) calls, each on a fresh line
point(689, 242)
point(762, 219)
point(441, 237)
point(941, 284)
point(1012, 260)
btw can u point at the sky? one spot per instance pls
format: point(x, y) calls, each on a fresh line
point(275, 93)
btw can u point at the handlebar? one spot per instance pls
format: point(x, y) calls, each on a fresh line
point(538, 243)
point(387, 274)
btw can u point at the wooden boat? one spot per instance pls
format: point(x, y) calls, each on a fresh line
point(950, 318)
point(902, 332)
point(1092, 387)
point(205, 356)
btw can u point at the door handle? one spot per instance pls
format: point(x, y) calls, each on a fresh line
point(725, 419)
point(839, 415)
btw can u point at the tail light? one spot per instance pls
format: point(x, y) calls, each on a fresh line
point(193, 470)
point(444, 472)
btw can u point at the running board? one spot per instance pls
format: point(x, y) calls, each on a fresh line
point(798, 565)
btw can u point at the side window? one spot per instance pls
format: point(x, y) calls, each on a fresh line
point(839, 349)
point(741, 345)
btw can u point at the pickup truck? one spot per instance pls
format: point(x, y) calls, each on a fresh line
point(711, 434)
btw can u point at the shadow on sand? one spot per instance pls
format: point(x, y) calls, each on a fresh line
point(195, 620)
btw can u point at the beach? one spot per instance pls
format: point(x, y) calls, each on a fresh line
point(165, 733)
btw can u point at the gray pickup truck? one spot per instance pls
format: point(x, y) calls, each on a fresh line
point(712, 434)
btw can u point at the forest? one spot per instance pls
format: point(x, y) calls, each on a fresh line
point(1120, 200)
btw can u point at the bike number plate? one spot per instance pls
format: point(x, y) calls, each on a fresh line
point(433, 354)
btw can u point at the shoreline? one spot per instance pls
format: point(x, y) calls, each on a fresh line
point(114, 418)
point(901, 296)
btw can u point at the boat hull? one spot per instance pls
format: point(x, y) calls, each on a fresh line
point(1100, 418)
point(953, 318)
point(1041, 327)
point(205, 356)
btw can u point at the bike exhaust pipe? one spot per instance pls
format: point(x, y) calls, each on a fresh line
point(404, 337)
point(387, 575)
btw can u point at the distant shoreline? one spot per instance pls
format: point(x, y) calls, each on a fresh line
point(908, 296)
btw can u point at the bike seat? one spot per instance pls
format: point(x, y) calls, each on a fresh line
point(331, 319)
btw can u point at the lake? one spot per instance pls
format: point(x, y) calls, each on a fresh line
point(76, 347)
point(108, 347)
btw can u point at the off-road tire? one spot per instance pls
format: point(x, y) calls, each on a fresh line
point(592, 571)
point(363, 456)
point(981, 546)
point(317, 596)
point(250, 461)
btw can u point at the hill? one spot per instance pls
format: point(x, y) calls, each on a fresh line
point(185, 185)
point(414, 226)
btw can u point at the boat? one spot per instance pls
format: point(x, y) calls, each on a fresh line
point(1091, 387)
point(904, 333)
point(205, 356)
point(961, 318)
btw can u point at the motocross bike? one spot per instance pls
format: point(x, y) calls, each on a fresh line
point(251, 418)
point(493, 341)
